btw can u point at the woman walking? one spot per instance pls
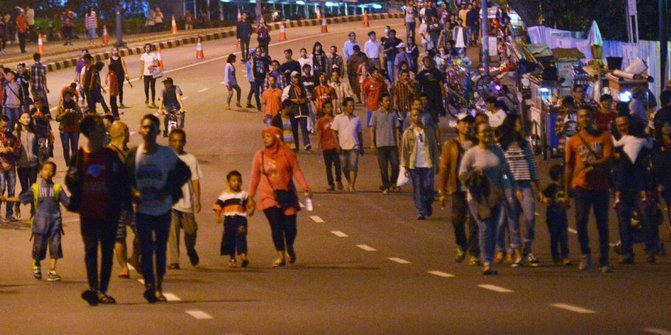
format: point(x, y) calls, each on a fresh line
point(263, 33)
point(230, 81)
point(27, 162)
point(118, 66)
point(149, 65)
point(273, 169)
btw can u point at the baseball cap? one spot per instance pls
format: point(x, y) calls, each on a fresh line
point(295, 73)
point(465, 117)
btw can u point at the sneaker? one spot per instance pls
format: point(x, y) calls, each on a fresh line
point(585, 262)
point(518, 261)
point(474, 261)
point(249, 106)
point(53, 276)
point(421, 217)
point(605, 269)
point(37, 272)
point(173, 266)
point(532, 260)
point(460, 256)
point(194, 259)
point(386, 191)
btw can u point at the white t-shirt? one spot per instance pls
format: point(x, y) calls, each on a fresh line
point(348, 131)
point(307, 60)
point(151, 175)
point(148, 59)
point(186, 203)
point(372, 49)
point(229, 75)
point(496, 119)
point(421, 160)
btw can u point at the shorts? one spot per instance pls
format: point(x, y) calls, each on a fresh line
point(349, 160)
point(126, 219)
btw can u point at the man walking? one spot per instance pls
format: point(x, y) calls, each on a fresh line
point(385, 136)
point(243, 33)
point(38, 80)
point(350, 141)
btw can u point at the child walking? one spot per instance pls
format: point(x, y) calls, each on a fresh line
point(556, 218)
point(329, 144)
point(47, 223)
point(232, 206)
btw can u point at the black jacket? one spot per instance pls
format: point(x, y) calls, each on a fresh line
point(244, 30)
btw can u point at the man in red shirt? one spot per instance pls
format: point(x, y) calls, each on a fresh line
point(22, 30)
point(372, 88)
point(272, 100)
point(606, 113)
point(323, 93)
point(329, 145)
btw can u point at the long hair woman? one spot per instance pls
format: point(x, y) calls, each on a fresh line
point(27, 163)
point(230, 81)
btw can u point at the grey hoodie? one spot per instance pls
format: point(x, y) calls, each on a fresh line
point(12, 94)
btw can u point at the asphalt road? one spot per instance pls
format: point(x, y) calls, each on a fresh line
point(365, 265)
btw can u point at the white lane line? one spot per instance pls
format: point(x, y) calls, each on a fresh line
point(141, 281)
point(316, 219)
point(399, 260)
point(171, 297)
point(204, 89)
point(573, 308)
point(441, 274)
point(572, 231)
point(338, 233)
point(658, 331)
point(366, 247)
point(185, 97)
point(495, 288)
point(198, 314)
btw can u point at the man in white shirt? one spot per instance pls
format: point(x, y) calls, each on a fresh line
point(347, 127)
point(495, 113)
point(183, 212)
point(342, 89)
point(348, 47)
point(372, 49)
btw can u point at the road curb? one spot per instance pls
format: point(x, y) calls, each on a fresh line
point(179, 41)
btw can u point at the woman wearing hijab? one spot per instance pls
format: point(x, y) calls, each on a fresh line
point(273, 169)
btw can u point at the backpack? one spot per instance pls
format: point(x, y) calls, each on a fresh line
point(36, 196)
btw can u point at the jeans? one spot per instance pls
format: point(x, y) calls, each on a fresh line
point(153, 234)
point(8, 182)
point(94, 233)
point(187, 222)
point(22, 41)
point(331, 159)
point(526, 210)
point(51, 239)
point(390, 70)
point(629, 202)
point(283, 228)
point(388, 156)
point(150, 84)
point(584, 201)
point(303, 125)
point(70, 143)
point(509, 223)
point(13, 116)
point(256, 90)
point(487, 231)
point(244, 46)
point(422, 189)
point(235, 236)
point(558, 228)
point(460, 218)
point(349, 161)
point(230, 93)
point(410, 30)
point(93, 97)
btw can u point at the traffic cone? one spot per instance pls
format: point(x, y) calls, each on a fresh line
point(159, 57)
point(366, 23)
point(283, 33)
point(239, 15)
point(106, 36)
point(325, 29)
point(199, 50)
point(40, 45)
point(319, 14)
point(174, 25)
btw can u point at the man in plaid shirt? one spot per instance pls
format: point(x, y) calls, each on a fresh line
point(38, 80)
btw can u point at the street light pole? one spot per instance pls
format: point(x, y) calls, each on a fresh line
point(119, 31)
point(485, 36)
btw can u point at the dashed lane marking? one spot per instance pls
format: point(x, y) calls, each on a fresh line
point(198, 314)
point(572, 231)
point(204, 89)
point(338, 233)
point(366, 247)
point(573, 308)
point(441, 274)
point(658, 331)
point(399, 260)
point(171, 297)
point(495, 288)
point(316, 219)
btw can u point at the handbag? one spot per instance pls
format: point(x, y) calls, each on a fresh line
point(156, 72)
point(284, 198)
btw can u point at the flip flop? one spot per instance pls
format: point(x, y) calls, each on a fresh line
point(90, 297)
point(106, 299)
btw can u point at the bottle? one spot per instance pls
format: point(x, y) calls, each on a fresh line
point(308, 204)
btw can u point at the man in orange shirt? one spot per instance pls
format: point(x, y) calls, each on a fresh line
point(272, 100)
point(587, 158)
point(328, 142)
point(323, 93)
point(372, 88)
point(22, 30)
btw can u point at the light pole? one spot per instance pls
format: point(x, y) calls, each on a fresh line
point(119, 31)
point(485, 36)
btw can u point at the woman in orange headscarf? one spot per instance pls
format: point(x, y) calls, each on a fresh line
point(273, 169)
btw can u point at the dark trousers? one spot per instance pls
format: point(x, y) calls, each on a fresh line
point(67, 34)
point(332, 159)
point(114, 106)
point(302, 124)
point(120, 80)
point(70, 143)
point(22, 41)
point(422, 189)
point(629, 202)
point(51, 239)
point(584, 201)
point(283, 228)
point(557, 222)
point(244, 46)
point(153, 234)
point(256, 90)
point(27, 177)
point(150, 84)
point(356, 86)
point(461, 217)
point(94, 233)
point(388, 157)
point(235, 236)
point(93, 97)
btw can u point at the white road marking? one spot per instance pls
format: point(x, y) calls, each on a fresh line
point(658, 331)
point(130, 267)
point(141, 281)
point(495, 288)
point(572, 231)
point(399, 260)
point(366, 247)
point(204, 89)
point(171, 297)
point(338, 233)
point(316, 219)
point(198, 314)
point(573, 308)
point(184, 98)
point(441, 274)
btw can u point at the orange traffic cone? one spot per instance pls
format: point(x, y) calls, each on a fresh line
point(106, 36)
point(40, 45)
point(319, 14)
point(325, 29)
point(283, 33)
point(366, 23)
point(239, 16)
point(174, 25)
point(199, 50)
point(159, 57)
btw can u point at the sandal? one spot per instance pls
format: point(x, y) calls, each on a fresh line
point(280, 262)
point(149, 295)
point(105, 299)
point(160, 297)
point(90, 297)
point(124, 275)
point(232, 263)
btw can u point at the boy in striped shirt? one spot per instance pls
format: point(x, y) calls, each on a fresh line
point(232, 206)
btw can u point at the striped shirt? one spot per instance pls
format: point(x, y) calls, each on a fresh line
point(403, 94)
point(91, 20)
point(521, 162)
point(38, 76)
point(232, 204)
